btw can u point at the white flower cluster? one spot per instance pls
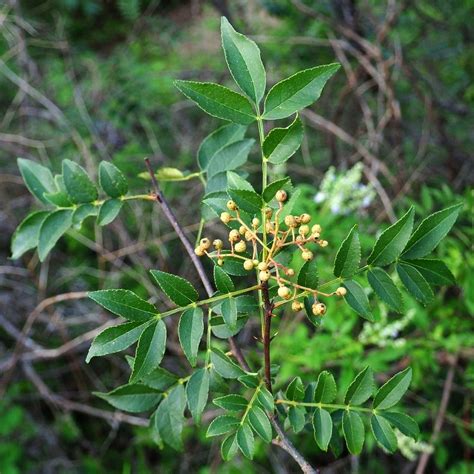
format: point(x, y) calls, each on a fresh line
point(411, 448)
point(383, 333)
point(343, 192)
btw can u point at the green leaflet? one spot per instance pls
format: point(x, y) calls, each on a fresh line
point(53, 227)
point(190, 331)
point(383, 433)
point(244, 61)
point(229, 447)
point(415, 283)
point(361, 388)
point(223, 282)
point(384, 287)
point(295, 390)
point(134, 398)
point(296, 417)
point(282, 143)
point(260, 423)
point(229, 312)
point(430, 232)
point(435, 272)
point(111, 180)
point(178, 290)
point(297, 92)
point(38, 178)
point(308, 275)
point(322, 428)
point(150, 350)
point(270, 191)
point(224, 366)
point(231, 402)
point(357, 299)
point(246, 441)
point(197, 392)
point(115, 339)
point(393, 390)
point(168, 420)
point(216, 141)
point(353, 430)
point(219, 101)
point(248, 201)
point(27, 233)
point(348, 256)
point(402, 422)
point(392, 241)
point(230, 157)
point(222, 425)
point(109, 210)
point(82, 212)
point(78, 185)
point(266, 399)
point(325, 391)
point(124, 303)
point(159, 379)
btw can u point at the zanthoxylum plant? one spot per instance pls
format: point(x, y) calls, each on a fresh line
point(254, 273)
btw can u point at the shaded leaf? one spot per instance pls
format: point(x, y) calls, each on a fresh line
point(308, 275)
point(282, 143)
point(150, 350)
point(197, 393)
point(78, 185)
point(218, 101)
point(108, 211)
point(229, 312)
point(270, 191)
point(297, 92)
point(357, 299)
point(248, 201)
point(430, 232)
point(133, 398)
point(383, 433)
point(415, 283)
point(244, 61)
point(385, 289)
point(224, 366)
point(296, 417)
point(402, 422)
point(361, 388)
point(27, 233)
point(52, 229)
point(393, 390)
point(223, 282)
point(230, 157)
point(229, 447)
point(353, 430)
point(348, 256)
point(266, 399)
point(124, 303)
point(231, 402)
point(190, 331)
point(38, 178)
point(178, 290)
point(435, 272)
point(112, 180)
point(222, 425)
point(325, 391)
point(392, 241)
point(246, 441)
point(260, 423)
point(322, 428)
point(295, 390)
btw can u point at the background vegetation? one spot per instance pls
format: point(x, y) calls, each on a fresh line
point(90, 80)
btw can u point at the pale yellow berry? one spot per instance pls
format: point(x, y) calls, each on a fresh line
point(248, 235)
point(218, 244)
point(290, 272)
point(284, 292)
point(268, 212)
point(298, 220)
point(255, 262)
point(316, 235)
point(240, 246)
point(299, 239)
point(264, 275)
point(305, 218)
point(234, 235)
point(205, 243)
point(255, 222)
point(341, 291)
point(323, 243)
point(304, 229)
point(226, 217)
point(319, 309)
point(199, 251)
point(242, 229)
point(269, 227)
point(307, 255)
point(231, 205)
point(248, 264)
point(220, 262)
point(290, 221)
point(296, 306)
point(263, 266)
point(281, 195)
point(316, 229)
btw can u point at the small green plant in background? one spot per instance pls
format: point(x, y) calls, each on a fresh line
point(268, 263)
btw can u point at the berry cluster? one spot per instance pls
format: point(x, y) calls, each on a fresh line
point(272, 236)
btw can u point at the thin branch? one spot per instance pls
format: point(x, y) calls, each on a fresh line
point(267, 324)
point(169, 214)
